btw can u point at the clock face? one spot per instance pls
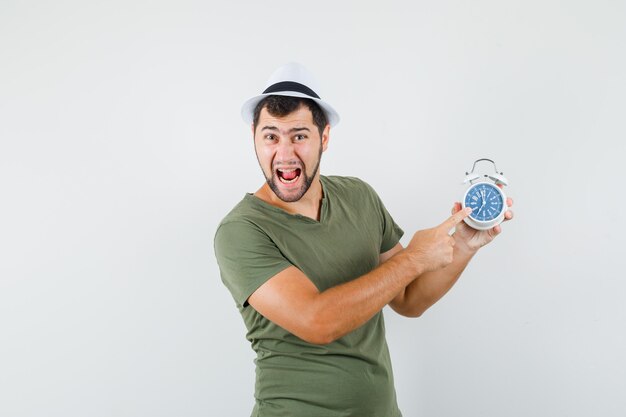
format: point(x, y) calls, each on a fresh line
point(486, 201)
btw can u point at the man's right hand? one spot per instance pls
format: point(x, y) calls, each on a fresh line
point(433, 248)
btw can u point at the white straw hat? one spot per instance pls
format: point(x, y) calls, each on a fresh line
point(292, 80)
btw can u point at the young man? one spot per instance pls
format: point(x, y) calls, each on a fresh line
point(311, 261)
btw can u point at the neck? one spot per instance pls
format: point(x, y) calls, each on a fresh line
point(309, 205)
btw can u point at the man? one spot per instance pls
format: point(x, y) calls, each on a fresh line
point(311, 261)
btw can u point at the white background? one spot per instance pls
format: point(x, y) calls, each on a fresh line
point(121, 148)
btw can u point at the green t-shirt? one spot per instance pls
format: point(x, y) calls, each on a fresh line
point(351, 376)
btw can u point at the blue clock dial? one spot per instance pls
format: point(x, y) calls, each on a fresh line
point(486, 201)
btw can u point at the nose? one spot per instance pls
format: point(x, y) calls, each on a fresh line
point(285, 151)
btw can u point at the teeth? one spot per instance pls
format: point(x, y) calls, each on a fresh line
point(287, 171)
point(288, 181)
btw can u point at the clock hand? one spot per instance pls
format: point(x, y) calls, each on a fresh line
point(482, 193)
point(479, 209)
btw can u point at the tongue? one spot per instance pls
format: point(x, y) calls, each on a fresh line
point(289, 175)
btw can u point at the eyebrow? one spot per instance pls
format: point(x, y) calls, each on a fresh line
point(292, 130)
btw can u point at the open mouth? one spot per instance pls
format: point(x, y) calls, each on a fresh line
point(288, 176)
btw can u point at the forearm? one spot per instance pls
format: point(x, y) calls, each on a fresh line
point(293, 302)
point(430, 287)
point(342, 309)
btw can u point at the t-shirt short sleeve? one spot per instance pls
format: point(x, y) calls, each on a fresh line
point(391, 232)
point(247, 258)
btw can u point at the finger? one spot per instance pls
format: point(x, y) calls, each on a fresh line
point(509, 201)
point(455, 208)
point(508, 215)
point(455, 219)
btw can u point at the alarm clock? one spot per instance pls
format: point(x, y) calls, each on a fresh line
point(485, 197)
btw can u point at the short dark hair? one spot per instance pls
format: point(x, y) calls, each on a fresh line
point(280, 106)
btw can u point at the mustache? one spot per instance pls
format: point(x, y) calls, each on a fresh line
point(297, 164)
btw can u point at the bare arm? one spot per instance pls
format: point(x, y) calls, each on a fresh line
point(292, 301)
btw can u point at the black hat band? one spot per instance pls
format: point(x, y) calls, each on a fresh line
point(290, 86)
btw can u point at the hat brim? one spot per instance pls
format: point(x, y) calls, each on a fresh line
point(247, 110)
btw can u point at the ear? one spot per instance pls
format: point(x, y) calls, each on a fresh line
point(325, 138)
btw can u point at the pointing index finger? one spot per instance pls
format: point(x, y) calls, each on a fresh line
point(456, 218)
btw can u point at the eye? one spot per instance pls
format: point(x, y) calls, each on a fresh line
point(300, 137)
point(270, 137)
